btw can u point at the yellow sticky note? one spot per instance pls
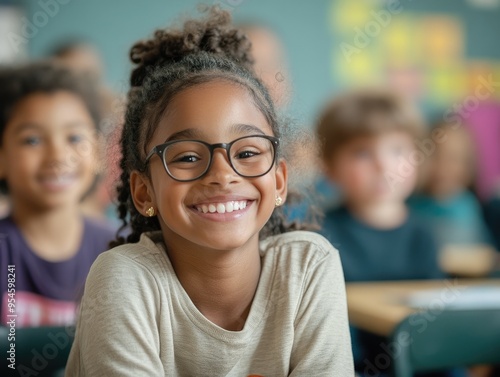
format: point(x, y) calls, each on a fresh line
point(447, 83)
point(362, 68)
point(345, 15)
point(442, 39)
point(400, 41)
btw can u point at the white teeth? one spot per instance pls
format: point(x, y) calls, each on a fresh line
point(222, 207)
point(58, 181)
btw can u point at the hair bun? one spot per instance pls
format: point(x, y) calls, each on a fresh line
point(213, 34)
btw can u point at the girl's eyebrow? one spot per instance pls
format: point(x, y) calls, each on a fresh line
point(189, 133)
point(26, 126)
point(247, 129)
point(194, 133)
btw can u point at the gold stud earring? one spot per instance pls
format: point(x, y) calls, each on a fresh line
point(278, 201)
point(150, 212)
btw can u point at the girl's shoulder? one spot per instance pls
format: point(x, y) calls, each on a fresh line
point(145, 254)
point(303, 247)
point(298, 239)
point(299, 259)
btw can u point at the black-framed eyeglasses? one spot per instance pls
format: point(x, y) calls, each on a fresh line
point(187, 160)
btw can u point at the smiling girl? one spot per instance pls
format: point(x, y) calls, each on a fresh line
point(209, 282)
point(48, 128)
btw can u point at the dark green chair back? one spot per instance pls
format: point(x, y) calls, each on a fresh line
point(427, 341)
point(39, 351)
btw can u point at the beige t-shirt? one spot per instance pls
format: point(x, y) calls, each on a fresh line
point(136, 319)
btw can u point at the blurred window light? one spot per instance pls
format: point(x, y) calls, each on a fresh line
point(10, 32)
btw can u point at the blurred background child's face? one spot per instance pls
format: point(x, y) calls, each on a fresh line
point(449, 169)
point(374, 169)
point(48, 151)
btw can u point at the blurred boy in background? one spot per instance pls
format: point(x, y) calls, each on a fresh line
point(368, 149)
point(367, 146)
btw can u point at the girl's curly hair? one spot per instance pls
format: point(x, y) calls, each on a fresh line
point(171, 61)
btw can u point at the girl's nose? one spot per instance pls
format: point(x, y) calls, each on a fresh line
point(221, 171)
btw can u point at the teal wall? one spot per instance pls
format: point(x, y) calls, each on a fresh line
point(113, 25)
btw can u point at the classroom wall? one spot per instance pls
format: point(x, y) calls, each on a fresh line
point(306, 27)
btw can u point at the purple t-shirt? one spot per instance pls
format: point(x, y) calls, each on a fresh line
point(43, 292)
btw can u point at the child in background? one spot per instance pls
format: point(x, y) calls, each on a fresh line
point(48, 157)
point(367, 142)
point(83, 58)
point(206, 284)
point(367, 139)
point(445, 200)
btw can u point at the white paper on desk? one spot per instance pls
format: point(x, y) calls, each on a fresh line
point(480, 297)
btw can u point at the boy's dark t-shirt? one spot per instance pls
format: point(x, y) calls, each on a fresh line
point(46, 292)
point(406, 252)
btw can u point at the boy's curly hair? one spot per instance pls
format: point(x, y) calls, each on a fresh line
point(171, 61)
point(17, 83)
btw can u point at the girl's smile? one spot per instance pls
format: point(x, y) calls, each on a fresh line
point(222, 208)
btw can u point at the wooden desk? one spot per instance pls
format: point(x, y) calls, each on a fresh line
point(378, 307)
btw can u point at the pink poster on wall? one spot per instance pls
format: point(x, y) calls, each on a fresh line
point(485, 126)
